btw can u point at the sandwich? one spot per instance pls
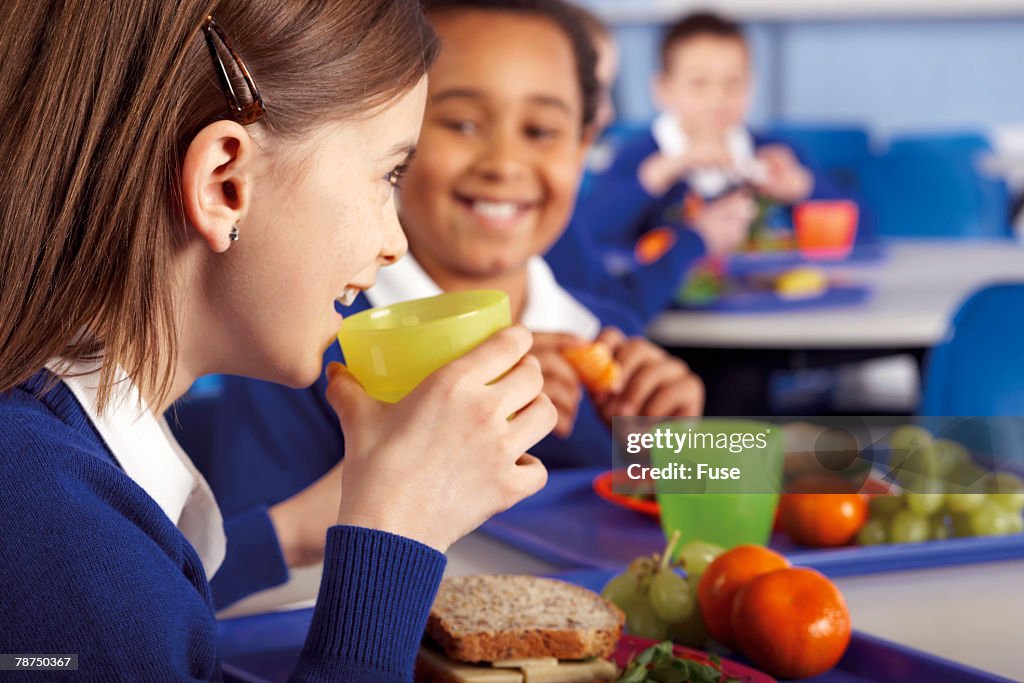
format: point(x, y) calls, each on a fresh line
point(518, 629)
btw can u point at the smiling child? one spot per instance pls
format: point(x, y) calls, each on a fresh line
point(493, 183)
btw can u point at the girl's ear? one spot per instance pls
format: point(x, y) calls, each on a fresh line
point(216, 182)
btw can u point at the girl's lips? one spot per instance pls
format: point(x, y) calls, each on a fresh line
point(495, 214)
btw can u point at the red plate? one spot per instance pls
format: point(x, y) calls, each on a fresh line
point(630, 646)
point(603, 488)
point(604, 482)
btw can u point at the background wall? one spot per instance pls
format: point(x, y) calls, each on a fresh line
point(892, 74)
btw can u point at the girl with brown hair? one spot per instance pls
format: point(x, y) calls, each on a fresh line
point(187, 186)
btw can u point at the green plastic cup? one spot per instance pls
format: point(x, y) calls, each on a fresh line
point(392, 349)
point(727, 512)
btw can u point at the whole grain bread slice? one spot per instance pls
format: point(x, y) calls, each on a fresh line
point(492, 617)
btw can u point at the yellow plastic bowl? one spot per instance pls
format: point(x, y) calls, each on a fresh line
point(393, 348)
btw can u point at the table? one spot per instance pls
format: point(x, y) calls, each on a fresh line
point(916, 290)
point(973, 614)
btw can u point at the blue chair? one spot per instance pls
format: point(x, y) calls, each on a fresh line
point(839, 150)
point(978, 370)
point(930, 186)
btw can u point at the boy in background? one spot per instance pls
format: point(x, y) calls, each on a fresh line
point(687, 187)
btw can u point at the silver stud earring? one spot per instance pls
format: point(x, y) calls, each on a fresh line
point(233, 235)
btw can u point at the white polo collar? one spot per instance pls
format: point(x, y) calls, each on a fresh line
point(147, 451)
point(673, 141)
point(549, 307)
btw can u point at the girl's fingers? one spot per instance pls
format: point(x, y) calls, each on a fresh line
point(681, 399)
point(531, 424)
point(519, 387)
point(566, 399)
point(527, 477)
point(611, 337)
point(643, 384)
point(490, 359)
point(635, 353)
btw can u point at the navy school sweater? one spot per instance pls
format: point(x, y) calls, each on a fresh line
point(91, 565)
point(595, 253)
point(269, 442)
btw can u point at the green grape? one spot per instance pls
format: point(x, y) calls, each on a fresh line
point(908, 438)
point(938, 529)
point(967, 477)
point(874, 532)
point(1006, 489)
point(964, 502)
point(992, 520)
point(925, 503)
point(697, 555)
point(906, 527)
point(922, 461)
point(690, 631)
point(948, 455)
point(885, 505)
point(623, 590)
point(961, 524)
point(642, 565)
point(643, 621)
point(670, 596)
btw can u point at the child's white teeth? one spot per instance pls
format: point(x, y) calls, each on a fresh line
point(348, 297)
point(496, 210)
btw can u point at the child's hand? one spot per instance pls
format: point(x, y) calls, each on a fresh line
point(441, 461)
point(301, 522)
point(659, 172)
point(655, 383)
point(724, 224)
point(786, 181)
point(561, 383)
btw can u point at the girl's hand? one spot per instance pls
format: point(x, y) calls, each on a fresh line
point(561, 383)
point(441, 461)
point(655, 384)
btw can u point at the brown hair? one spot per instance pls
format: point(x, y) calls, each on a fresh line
point(696, 25)
point(99, 101)
point(566, 17)
point(597, 29)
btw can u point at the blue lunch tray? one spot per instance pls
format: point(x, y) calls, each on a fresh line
point(568, 525)
point(264, 649)
point(767, 301)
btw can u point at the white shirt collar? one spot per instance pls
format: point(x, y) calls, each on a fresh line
point(549, 307)
point(149, 454)
point(673, 141)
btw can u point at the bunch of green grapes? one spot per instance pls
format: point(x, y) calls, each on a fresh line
point(946, 494)
point(659, 601)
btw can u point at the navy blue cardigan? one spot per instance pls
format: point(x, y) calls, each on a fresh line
point(90, 564)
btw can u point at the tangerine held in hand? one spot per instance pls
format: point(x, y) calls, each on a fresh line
point(793, 623)
point(723, 577)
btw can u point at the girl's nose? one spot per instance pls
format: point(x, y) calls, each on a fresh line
point(502, 157)
point(394, 244)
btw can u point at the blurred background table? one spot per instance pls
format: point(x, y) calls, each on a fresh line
point(916, 289)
